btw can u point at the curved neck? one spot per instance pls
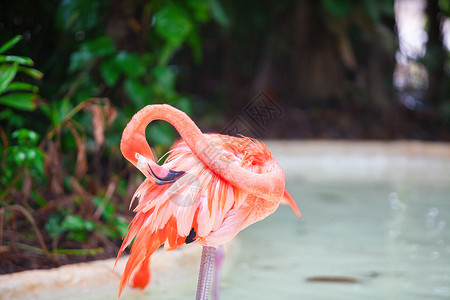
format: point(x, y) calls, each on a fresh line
point(269, 185)
point(133, 137)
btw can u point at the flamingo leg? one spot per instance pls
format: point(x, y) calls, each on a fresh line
point(217, 271)
point(204, 276)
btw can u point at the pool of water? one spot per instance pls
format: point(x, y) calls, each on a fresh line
point(356, 240)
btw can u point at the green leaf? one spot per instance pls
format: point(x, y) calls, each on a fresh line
point(14, 120)
point(184, 104)
point(130, 64)
point(75, 15)
point(166, 53)
point(147, 59)
point(21, 60)
point(19, 155)
point(372, 9)
point(121, 225)
point(77, 227)
point(173, 24)
point(161, 134)
point(136, 91)
point(108, 232)
point(31, 154)
point(107, 211)
point(89, 225)
point(200, 9)
point(50, 112)
point(72, 223)
point(110, 72)
point(22, 86)
point(7, 74)
point(78, 60)
point(445, 7)
point(31, 72)
point(25, 136)
point(100, 46)
point(79, 236)
point(9, 44)
point(87, 88)
point(39, 162)
point(219, 14)
point(165, 78)
point(387, 8)
point(90, 50)
point(22, 101)
point(337, 8)
point(196, 45)
point(38, 198)
point(53, 226)
point(62, 109)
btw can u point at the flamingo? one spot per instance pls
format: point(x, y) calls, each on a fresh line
point(210, 187)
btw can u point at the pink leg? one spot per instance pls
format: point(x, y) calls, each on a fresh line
point(217, 271)
point(204, 276)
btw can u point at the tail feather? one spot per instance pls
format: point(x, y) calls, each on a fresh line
point(142, 277)
point(143, 247)
point(288, 200)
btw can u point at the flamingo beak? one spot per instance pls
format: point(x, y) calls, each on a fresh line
point(164, 176)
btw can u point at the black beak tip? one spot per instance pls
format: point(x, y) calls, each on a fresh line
point(175, 174)
point(172, 176)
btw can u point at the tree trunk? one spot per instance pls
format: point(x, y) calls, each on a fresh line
point(436, 55)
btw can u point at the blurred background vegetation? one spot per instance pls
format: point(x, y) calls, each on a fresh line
point(73, 72)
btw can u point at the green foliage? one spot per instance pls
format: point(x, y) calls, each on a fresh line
point(377, 9)
point(18, 95)
point(445, 7)
point(338, 8)
point(145, 77)
point(344, 9)
point(173, 24)
point(113, 226)
point(76, 15)
point(9, 44)
point(89, 51)
point(75, 132)
point(73, 226)
point(25, 154)
point(219, 14)
point(76, 227)
point(162, 134)
point(22, 156)
point(53, 226)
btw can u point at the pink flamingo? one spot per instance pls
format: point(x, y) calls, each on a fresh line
point(210, 187)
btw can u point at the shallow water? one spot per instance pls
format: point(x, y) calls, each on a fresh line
point(368, 240)
point(356, 240)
